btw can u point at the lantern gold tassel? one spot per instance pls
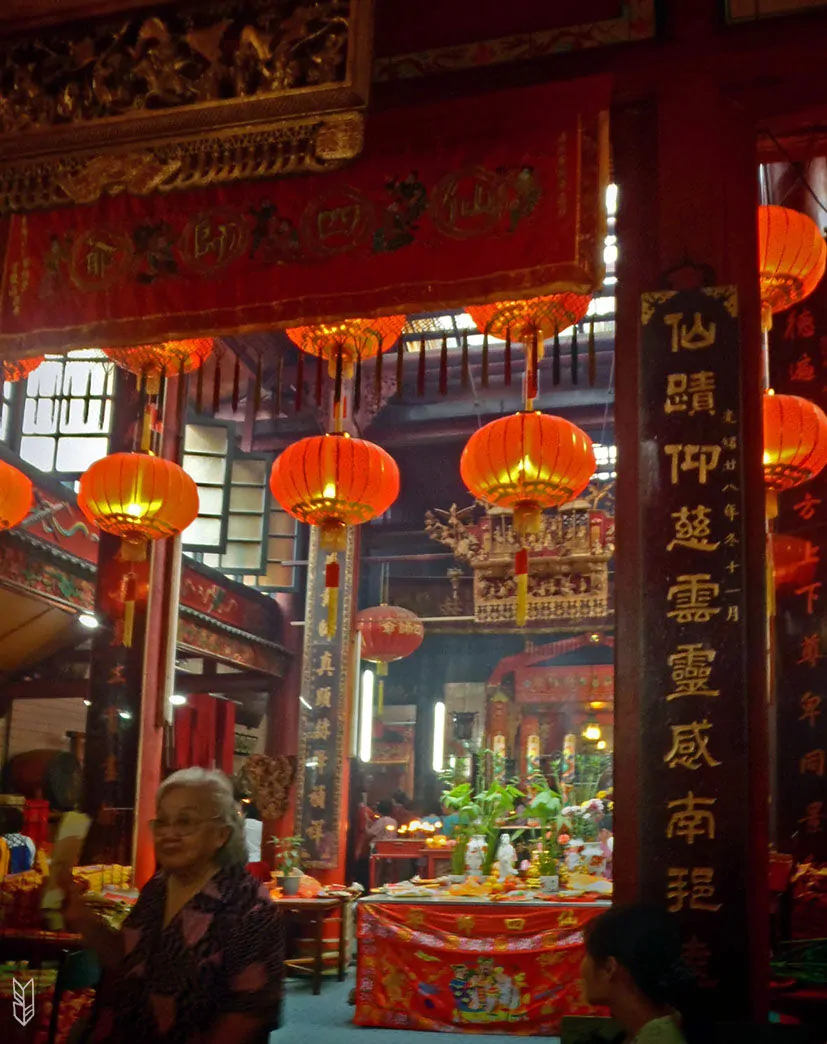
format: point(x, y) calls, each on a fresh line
point(381, 674)
point(129, 611)
point(521, 576)
point(331, 582)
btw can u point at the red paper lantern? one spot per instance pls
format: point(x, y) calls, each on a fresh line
point(138, 497)
point(791, 258)
point(795, 441)
point(525, 463)
point(534, 317)
point(16, 496)
point(389, 633)
point(17, 369)
point(334, 481)
point(165, 359)
point(351, 339)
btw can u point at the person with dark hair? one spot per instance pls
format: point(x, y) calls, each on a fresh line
point(252, 829)
point(385, 825)
point(633, 966)
point(17, 850)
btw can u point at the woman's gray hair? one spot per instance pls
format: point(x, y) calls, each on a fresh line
point(234, 850)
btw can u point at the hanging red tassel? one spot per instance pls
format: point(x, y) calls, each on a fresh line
point(420, 377)
point(319, 379)
point(183, 390)
point(531, 373)
point(521, 577)
point(357, 385)
point(257, 393)
point(555, 359)
point(299, 381)
point(236, 382)
point(275, 410)
point(216, 381)
point(466, 372)
point(199, 391)
point(337, 387)
point(592, 356)
point(331, 583)
point(377, 378)
point(574, 360)
point(400, 367)
point(443, 366)
point(508, 358)
point(485, 360)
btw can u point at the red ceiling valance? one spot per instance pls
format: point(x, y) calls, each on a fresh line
point(468, 200)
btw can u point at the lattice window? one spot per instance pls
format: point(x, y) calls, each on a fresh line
point(67, 413)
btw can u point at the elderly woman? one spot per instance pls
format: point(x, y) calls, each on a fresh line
point(199, 960)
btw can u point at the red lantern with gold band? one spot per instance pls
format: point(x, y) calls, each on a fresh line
point(137, 497)
point(334, 481)
point(349, 340)
point(16, 496)
point(18, 369)
point(389, 633)
point(791, 258)
point(795, 441)
point(525, 463)
point(165, 359)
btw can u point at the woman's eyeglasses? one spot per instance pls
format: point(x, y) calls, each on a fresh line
point(181, 825)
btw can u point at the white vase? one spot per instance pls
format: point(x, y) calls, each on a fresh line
point(574, 856)
point(594, 859)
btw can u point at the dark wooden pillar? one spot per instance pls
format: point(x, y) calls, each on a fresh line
point(686, 166)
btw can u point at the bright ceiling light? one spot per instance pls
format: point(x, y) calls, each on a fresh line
point(88, 620)
point(592, 732)
point(177, 700)
point(366, 717)
point(439, 737)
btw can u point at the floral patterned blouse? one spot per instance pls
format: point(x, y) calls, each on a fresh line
point(223, 952)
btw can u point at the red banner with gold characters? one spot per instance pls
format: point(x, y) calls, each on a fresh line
point(465, 200)
point(470, 967)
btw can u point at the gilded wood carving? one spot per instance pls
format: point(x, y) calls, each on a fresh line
point(183, 97)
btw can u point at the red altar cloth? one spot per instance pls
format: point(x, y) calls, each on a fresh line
point(471, 967)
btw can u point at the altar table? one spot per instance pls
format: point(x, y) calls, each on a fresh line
point(470, 966)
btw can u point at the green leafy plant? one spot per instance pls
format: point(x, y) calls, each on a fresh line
point(288, 855)
point(460, 799)
point(546, 807)
point(495, 803)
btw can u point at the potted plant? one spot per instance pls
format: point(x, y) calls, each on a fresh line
point(546, 807)
point(460, 799)
point(288, 857)
point(495, 804)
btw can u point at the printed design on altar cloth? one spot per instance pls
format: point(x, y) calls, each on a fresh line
point(486, 992)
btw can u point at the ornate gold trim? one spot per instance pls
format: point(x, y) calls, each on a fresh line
point(308, 146)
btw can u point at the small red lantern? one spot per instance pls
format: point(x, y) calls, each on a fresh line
point(17, 369)
point(794, 560)
point(348, 340)
point(791, 258)
point(525, 463)
point(389, 633)
point(165, 359)
point(537, 318)
point(16, 496)
point(334, 481)
point(795, 441)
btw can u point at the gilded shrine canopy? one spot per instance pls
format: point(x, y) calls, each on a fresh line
point(464, 200)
